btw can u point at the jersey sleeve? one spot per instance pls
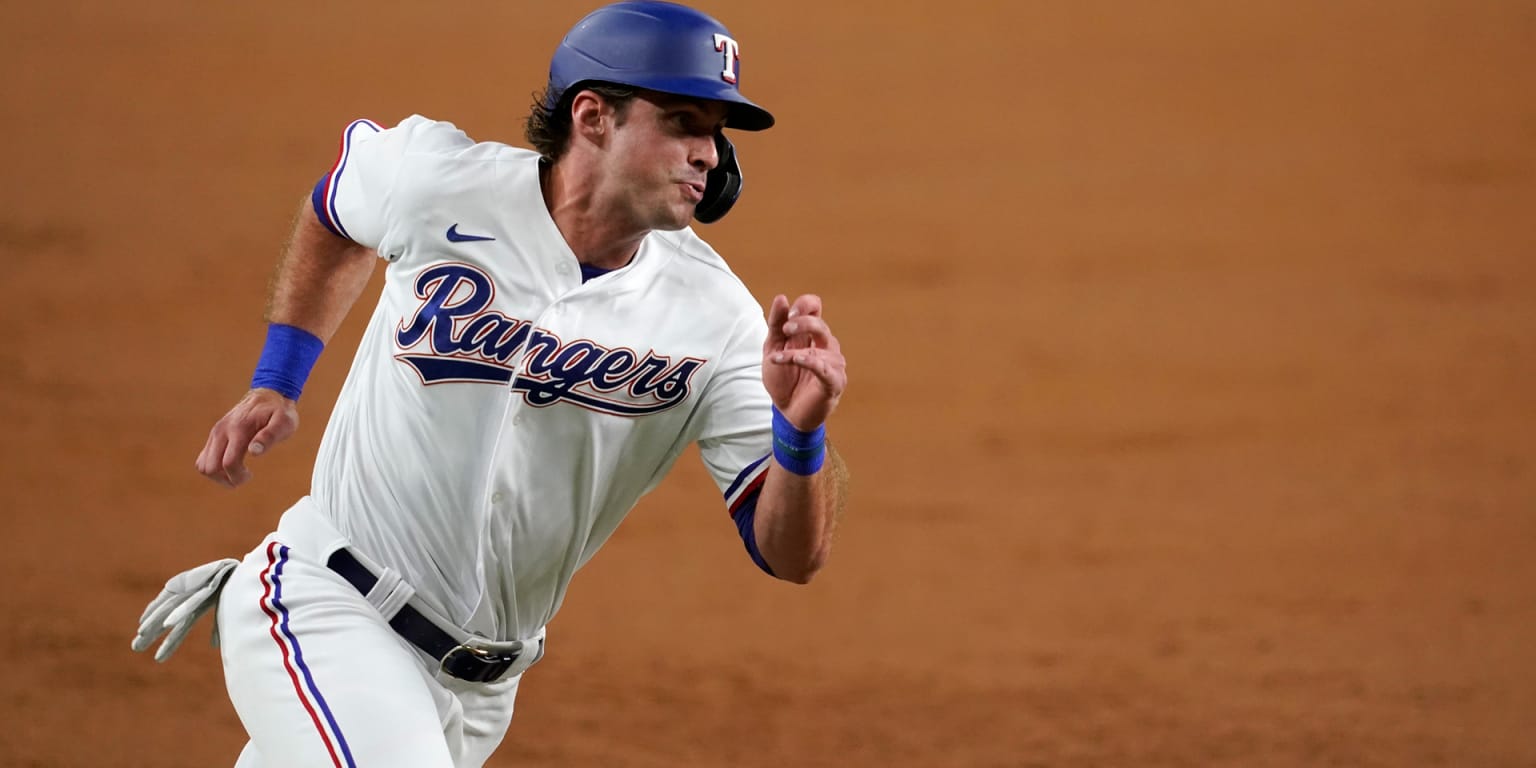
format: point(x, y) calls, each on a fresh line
point(736, 431)
point(359, 197)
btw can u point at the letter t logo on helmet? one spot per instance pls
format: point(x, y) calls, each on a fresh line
point(732, 52)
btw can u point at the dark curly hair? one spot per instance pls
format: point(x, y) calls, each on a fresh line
point(549, 130)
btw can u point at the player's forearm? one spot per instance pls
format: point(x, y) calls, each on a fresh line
point(797, 516)
point(319, 278)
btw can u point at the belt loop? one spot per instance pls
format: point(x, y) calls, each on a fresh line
point(532, 651)
point(390, 593)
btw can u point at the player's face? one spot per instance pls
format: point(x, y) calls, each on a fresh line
point(660, 154)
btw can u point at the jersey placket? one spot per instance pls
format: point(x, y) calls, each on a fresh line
point(500, 497)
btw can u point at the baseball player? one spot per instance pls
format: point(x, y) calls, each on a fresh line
point(550, 337)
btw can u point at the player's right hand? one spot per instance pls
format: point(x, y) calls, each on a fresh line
point(262, 419)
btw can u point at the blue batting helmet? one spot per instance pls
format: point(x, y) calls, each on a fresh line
point(658, 46)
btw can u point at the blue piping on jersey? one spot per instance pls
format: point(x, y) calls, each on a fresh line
point(745, 473)
point(745, 517)
point(317, 200)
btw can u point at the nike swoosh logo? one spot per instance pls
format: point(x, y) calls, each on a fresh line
point(455, 237)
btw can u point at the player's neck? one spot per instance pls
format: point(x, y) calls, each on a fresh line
point(598, 240)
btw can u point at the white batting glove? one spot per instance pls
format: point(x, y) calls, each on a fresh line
point(186, 597)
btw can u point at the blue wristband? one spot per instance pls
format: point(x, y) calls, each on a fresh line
point(799, 452)
point(286, 360)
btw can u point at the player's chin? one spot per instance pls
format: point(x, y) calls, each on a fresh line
point(673, 217)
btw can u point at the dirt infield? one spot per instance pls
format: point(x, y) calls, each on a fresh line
point(1193, 360)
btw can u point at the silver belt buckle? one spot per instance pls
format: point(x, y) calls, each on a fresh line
point(470, 662)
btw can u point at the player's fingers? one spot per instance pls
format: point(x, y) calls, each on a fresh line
point(237, 475)
point(827, 366)
point(202, 456)
point(280, 428)
point(210, 463)
point(235, 472)
point(806, 304)
point(233, 461)
point(811, 329)
point(778, 311)
point(212, 447)
point(801, 356)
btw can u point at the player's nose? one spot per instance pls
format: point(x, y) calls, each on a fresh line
point(703, 154)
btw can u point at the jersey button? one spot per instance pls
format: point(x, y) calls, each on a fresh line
point(496, 498)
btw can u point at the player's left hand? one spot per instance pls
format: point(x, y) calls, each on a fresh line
point(262, 419)
point(803, 366)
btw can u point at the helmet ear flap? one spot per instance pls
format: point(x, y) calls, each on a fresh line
point(722, 185)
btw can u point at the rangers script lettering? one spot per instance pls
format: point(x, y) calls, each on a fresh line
point(472, 344)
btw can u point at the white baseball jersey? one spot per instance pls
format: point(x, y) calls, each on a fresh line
point(501, 415)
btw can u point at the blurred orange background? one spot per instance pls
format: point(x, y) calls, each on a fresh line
point(1192, 352)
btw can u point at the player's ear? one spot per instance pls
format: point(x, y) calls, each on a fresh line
point(587, 113)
